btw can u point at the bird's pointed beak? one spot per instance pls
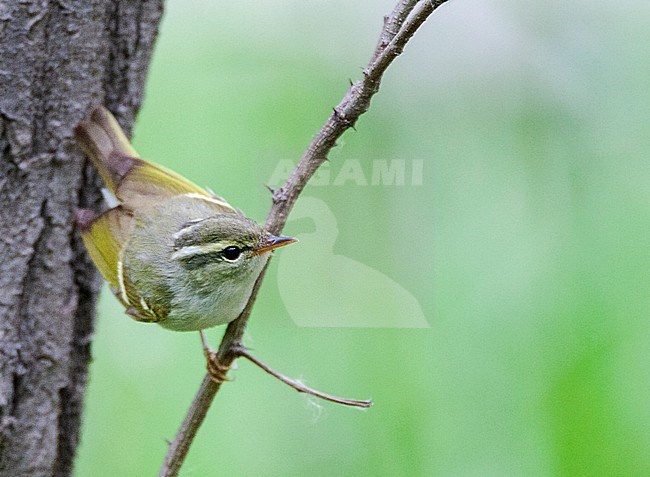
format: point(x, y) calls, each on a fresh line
point(272, 242)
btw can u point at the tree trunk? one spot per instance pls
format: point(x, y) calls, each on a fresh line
point(57, 60)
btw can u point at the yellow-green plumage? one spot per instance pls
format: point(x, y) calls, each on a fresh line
point(105, 238)
point(163, 248)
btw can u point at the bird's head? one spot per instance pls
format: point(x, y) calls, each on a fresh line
point(228, 248)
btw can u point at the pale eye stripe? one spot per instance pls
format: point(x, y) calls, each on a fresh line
point(192, 250)
point(183, 231)
point(214, 200)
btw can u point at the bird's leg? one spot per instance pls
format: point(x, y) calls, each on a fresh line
point(216, 370)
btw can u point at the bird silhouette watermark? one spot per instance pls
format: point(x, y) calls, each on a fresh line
point(321, 288)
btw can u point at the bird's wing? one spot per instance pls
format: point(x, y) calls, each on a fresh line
point(148, 184)
point(105, 236)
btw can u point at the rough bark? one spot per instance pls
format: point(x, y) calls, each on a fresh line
point(57, 60)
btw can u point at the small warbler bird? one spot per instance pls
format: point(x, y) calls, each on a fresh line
point(172, 252)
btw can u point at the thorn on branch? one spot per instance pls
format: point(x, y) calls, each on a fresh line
point(339, 117)
point(272, 190)
point(279, 195)
point(342, 118)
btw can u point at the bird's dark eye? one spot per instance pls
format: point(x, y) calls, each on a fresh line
point(231, 253)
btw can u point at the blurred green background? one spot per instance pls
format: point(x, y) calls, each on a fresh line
point(526, 245)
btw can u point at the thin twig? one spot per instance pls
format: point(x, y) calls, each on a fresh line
point(298, 386)
point(354, 104)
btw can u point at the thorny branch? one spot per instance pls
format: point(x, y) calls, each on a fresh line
point(399, 28)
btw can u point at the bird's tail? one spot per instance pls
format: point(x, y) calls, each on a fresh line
point(135, 183)
point(107, 146)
